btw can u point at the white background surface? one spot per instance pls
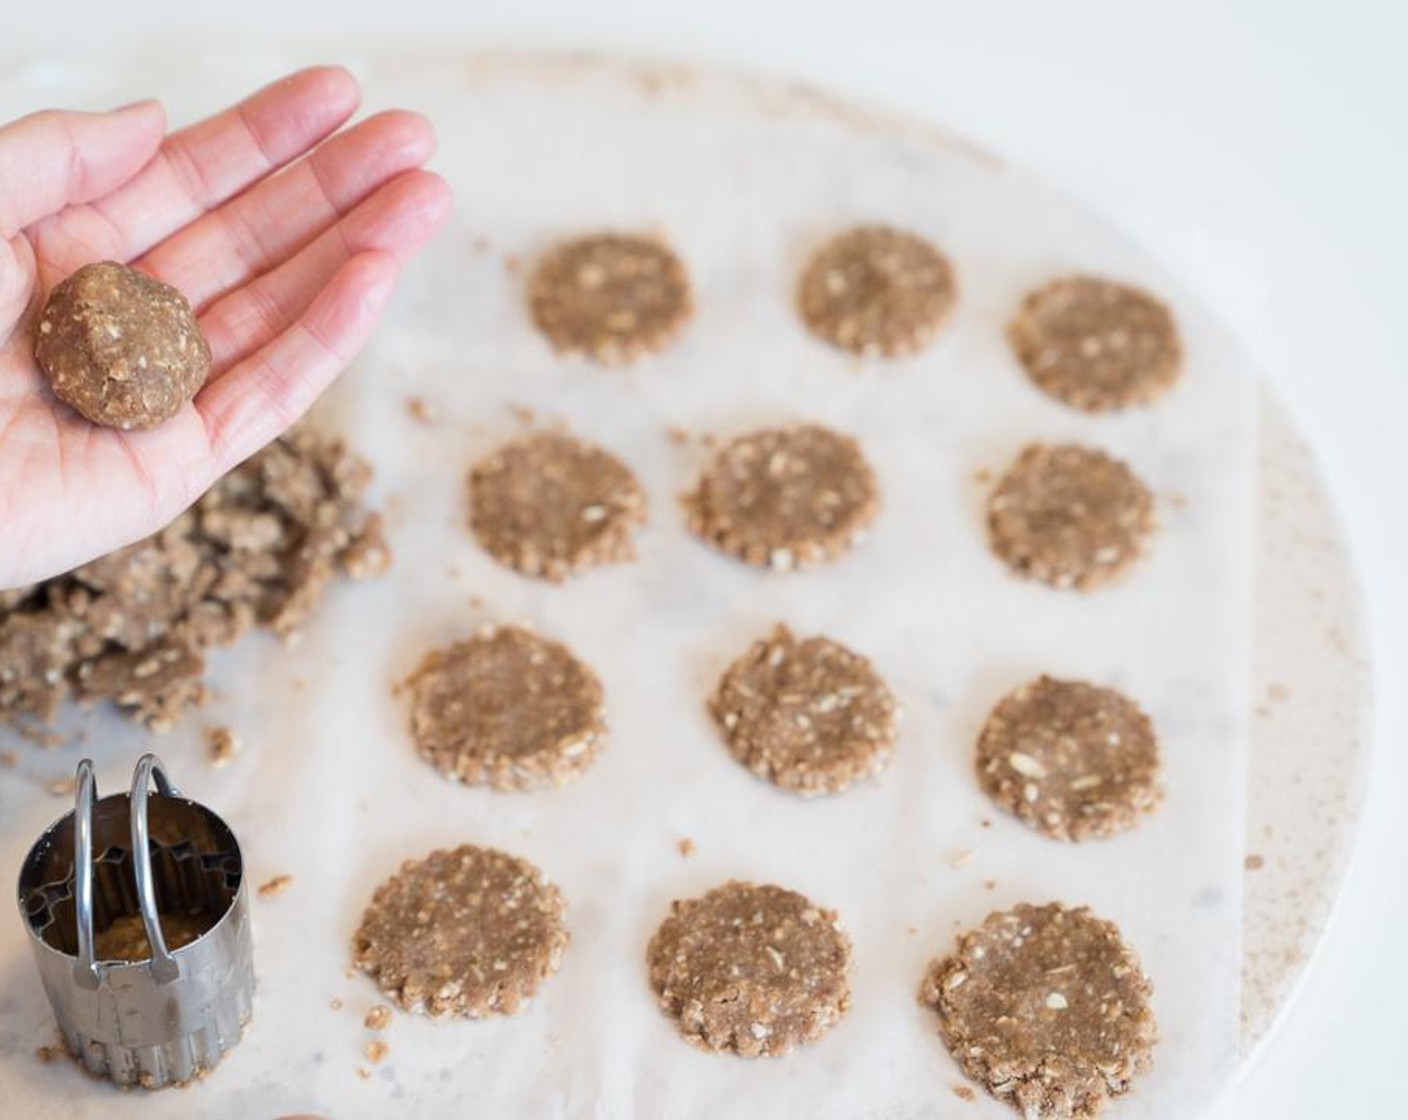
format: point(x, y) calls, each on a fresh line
point(1272, 131)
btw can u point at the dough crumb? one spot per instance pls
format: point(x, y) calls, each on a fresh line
point(221, 746)
point(423, 411)
point(963, 1093)
point(335, 1004)
point(376, 1050)
point(876, 291)
point(47, 1054)
point(377, 1018)
point(610, 297)
point(686, 847)
point(121, 348)
point(60, 787)
point(276, 886)
point(1254, 862)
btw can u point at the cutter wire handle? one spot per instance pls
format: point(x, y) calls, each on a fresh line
point(85, 971)
point(149, 768)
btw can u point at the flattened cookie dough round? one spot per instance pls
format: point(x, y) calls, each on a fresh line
point(876, 290)
point(755, 970)
point(120, 348)
point(785, 498)
point(469, 933)
point(810, 716)
point(507, 709)
point(548, 505)
point(1071, 759)
point(1095, 344)
point(611, 297)
point(1046, 1008)
point(1069, 516)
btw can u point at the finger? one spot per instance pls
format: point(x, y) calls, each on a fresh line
point(397, 220)
point(261, 228)
point(201, 166)
point(259, 399)
point(54, 159)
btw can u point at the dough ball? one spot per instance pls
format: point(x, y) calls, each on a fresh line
point(120, 348)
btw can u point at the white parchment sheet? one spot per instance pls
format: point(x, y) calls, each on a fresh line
point(744, 180)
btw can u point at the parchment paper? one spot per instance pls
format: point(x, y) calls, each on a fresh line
point(744, 179)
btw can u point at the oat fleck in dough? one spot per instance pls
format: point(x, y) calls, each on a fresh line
point(1047, 1008)
point(875, 290)
point(258, 549)
point(470, 933)
point(611, 297)
point(785, 498)
point(549, 505)
point(1071, 759)
point(1069, 516)
point(810, 716)
point(1095, 344)
point(507, 709)
point(756, 970)
point(120, 348)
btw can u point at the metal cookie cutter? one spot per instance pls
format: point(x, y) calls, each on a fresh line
point(95, 892)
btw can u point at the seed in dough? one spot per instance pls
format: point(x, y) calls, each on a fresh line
point(1071, 759)
point(875, 290)
point(785, 498)
point(1095, 344)
point(1046, 1008)
point(1069, 516)
point(549, 505)
point(507, 709)
point(756, 970)
point(810, 716)
point(469, 933)
point(120, 348)
point(611, 297)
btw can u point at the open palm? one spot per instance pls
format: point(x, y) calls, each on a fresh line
point(287, 242)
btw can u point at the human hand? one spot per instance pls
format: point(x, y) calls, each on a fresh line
point(287, 251)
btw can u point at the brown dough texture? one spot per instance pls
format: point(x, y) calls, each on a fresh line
point(785, 498)
point(756, 970)
point(507, 709)
point(258, 549)
point(549, 505)
point(875, 290)
point(1071, 759)
point(611, 297)
point(1046, 1008)
point(1069, 516)
point(469, 933)
point(120, 348)
point(125, 938)
point(810, 716)
point(1097, 345)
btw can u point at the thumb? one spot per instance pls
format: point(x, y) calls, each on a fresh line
point(54, 159)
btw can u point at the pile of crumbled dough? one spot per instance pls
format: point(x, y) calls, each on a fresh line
point(257, 550)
